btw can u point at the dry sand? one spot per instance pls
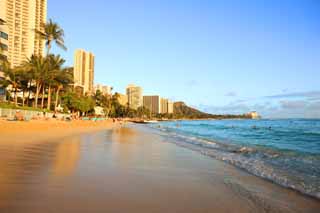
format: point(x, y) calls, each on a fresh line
point(35, 131)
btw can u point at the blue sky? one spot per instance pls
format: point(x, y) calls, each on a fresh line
point(220, 56)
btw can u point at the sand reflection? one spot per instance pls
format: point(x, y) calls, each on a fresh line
point(66, 157)
point(123, 135)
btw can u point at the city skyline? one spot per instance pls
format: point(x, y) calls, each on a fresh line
point(270, 68)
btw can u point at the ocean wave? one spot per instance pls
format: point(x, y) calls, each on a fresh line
point(286, 168)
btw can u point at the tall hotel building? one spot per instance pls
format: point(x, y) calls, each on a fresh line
point(158, 105)
point(170, 107)
point(22, 18)
point(134, 94)
point(152, 103)
point(164, 105)
point(83, 71)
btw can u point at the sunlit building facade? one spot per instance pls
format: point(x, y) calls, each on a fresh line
point(83, 70)
point(170, 107)
point(22, 19)
point(152, 103)
point(134, 94)
point(164, 105)
point(104, 89)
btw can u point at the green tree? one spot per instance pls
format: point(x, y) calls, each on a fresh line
point(62, 80)
point(52, 32)
point(25, 81)
point(37, 66)
point(54, 68)
point(12, 76)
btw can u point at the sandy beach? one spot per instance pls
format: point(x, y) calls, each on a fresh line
point(35, 131)
point(102, 167)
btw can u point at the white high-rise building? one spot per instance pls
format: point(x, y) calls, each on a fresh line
point(134, 94)
point(104, 89)
point(164, 105)
point(22, 18)
point(170, 107)
point(83, 70)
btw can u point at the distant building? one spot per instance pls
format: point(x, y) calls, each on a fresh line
point(170, 107)
point(22, 17)
point(152, 103)
point(99, 111)
point(123, 99)
point(134, 94)
point(254, 115)
point(164, 105)
point(105, 90)
point(83, 70)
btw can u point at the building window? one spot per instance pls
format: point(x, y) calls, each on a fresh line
point(3, 46)
point(3, 57)
point(4, 35)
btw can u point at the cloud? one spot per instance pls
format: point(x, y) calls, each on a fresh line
point(230, 108)
point(293, 104)
point(231, 94)
point(309, 94)
point(287, 105)
point(277, 109)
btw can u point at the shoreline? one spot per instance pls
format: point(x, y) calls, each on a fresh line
point(126, 169)
point(237, 156)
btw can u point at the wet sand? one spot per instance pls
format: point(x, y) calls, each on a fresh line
point(125, 169)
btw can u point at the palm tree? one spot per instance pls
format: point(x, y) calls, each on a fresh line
point(25, 81)
point(64, 78)
point(12, 77)
point(37, 65)
point(52, 32)
point(55, 63)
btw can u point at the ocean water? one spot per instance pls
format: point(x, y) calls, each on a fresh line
point(286, 151)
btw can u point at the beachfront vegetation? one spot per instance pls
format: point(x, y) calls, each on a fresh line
point(52, 32)
point(39, 77)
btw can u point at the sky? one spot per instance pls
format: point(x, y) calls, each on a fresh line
point(224, 56)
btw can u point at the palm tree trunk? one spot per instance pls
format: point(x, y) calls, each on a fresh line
point(38, 87)
point(48, 48)
point(49, 97)
point(15, 97)
point(42, 98)
point(57, 97)
point(28, 97)
point(23, 98)
point(29, 93)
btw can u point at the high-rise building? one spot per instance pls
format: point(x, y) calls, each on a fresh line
point(83, 70)
point(152, 103)
point(3, 52)
point(170, 107)
point(105, 90)
point(3, 41)
point(164, 105)
point(23, 18)
point(134, 94)
point(123, 99)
